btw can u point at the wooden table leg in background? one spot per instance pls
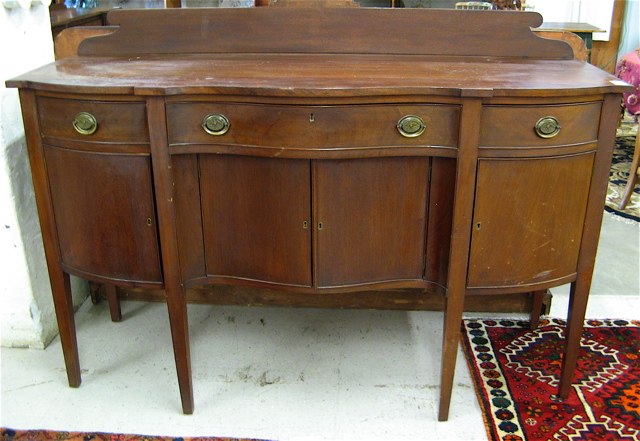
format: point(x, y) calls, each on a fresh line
point(114, 303)
point(536, 308)
point(634, 171)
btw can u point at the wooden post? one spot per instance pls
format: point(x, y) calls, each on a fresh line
point(460, 242)
point(591, 234)
point(176, 299)
point(60, 284)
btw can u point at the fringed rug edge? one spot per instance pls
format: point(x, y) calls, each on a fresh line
point(10, 434)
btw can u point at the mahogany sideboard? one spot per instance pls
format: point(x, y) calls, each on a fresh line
point(321, 150)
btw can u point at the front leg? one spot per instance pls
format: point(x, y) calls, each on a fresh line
point(573, 334)
point(63, 303)
point(177, 305)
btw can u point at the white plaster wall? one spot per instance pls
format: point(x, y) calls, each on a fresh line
point(27, 317)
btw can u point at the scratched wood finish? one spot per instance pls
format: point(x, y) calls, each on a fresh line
point(548, 223)
point(346, 77)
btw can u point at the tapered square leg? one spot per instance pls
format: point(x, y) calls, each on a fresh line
point(63, 303)
point(460, 244)
point(176, 300)
point(451, 337)
point(573, 334)
point(180, 335)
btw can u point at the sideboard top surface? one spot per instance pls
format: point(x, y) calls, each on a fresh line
point(322, 52)
point(289, 75)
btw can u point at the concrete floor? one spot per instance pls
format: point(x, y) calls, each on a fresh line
point(277, 373)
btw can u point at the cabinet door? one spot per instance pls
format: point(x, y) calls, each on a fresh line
point(256, 215)
point(372, 215)
point(104, 214)
point(528, 219)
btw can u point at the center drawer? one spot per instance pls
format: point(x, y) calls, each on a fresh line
point(312, 126)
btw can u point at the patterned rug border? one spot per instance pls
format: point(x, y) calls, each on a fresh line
point(8, 434)
point(468, 351)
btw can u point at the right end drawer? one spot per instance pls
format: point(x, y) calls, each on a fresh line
point(509, 126)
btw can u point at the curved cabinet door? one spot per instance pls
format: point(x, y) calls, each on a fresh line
point(256, 215)
point(528, 219)
point(104, 214)
point(371, 220)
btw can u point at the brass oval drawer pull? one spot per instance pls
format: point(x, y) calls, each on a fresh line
point(411, 126)
point(85, 123)
point(547, 127)
point(215, 124)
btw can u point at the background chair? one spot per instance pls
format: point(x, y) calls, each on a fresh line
point(628, 69)
point(473, 5)
point(507, 4)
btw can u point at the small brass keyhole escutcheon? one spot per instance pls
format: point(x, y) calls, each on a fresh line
point(85, 123)
point(478, 225)
point(547, 127)
point(216, 124)
point(411, 126)
point(149, 221)
point(305, 225)
point(320, 226)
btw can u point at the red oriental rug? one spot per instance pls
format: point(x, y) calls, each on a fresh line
point(516, 372)
point(46, 435)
